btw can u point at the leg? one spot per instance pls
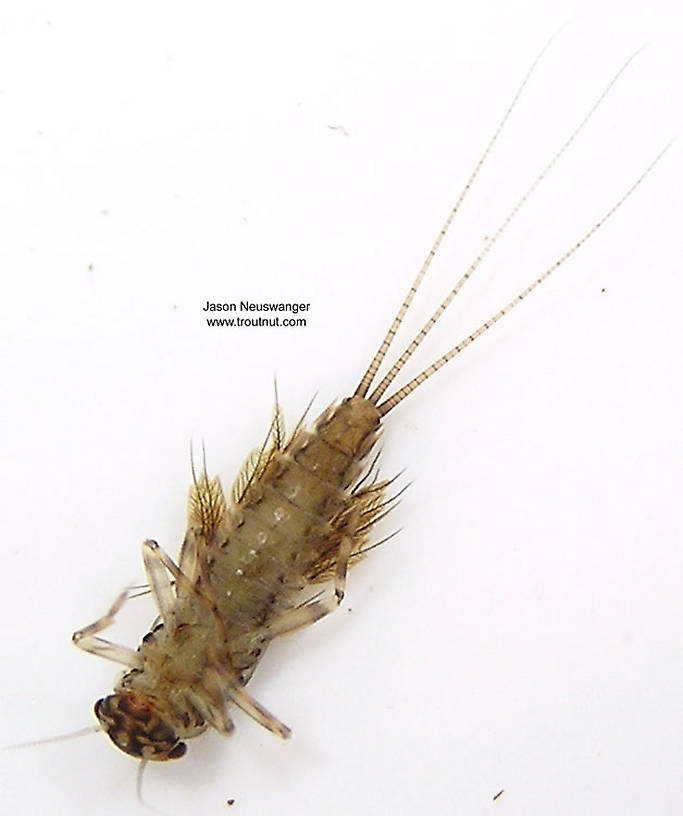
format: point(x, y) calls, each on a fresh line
point(164, 591)
point(160, 585)
point(85, 638)
point(315, 610)
point(156, 565)
point(218, 682)
point(213, 709)
point(188, 559)
point(187, 564)
point(254, 709)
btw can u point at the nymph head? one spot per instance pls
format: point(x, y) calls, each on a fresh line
point(135, 725)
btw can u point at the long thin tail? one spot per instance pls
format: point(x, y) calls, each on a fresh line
point(398, 365)
point(390, 403)
point(369, 375)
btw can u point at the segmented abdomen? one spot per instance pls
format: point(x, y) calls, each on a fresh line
point(291, 520)
point(281, 533)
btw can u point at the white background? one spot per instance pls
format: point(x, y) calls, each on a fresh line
point(524, 630)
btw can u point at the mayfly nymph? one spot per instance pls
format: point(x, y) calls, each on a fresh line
point(301, 512)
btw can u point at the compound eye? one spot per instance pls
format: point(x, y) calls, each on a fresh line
point(178, 751)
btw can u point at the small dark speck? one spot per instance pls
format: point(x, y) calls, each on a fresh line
point(230, 802)
point(90, 266)
point(500, 793)
point(350, 609)
point(603, 289)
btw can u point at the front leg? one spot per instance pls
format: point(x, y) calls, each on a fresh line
point(157, 567)
point(86, 638)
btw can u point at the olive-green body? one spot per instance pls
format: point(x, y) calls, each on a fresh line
point(252, 569)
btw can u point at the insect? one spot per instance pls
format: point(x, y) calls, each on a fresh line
point(300, 514)
point(93, 544)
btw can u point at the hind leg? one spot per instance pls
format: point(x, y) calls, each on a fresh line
point(313, 611)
